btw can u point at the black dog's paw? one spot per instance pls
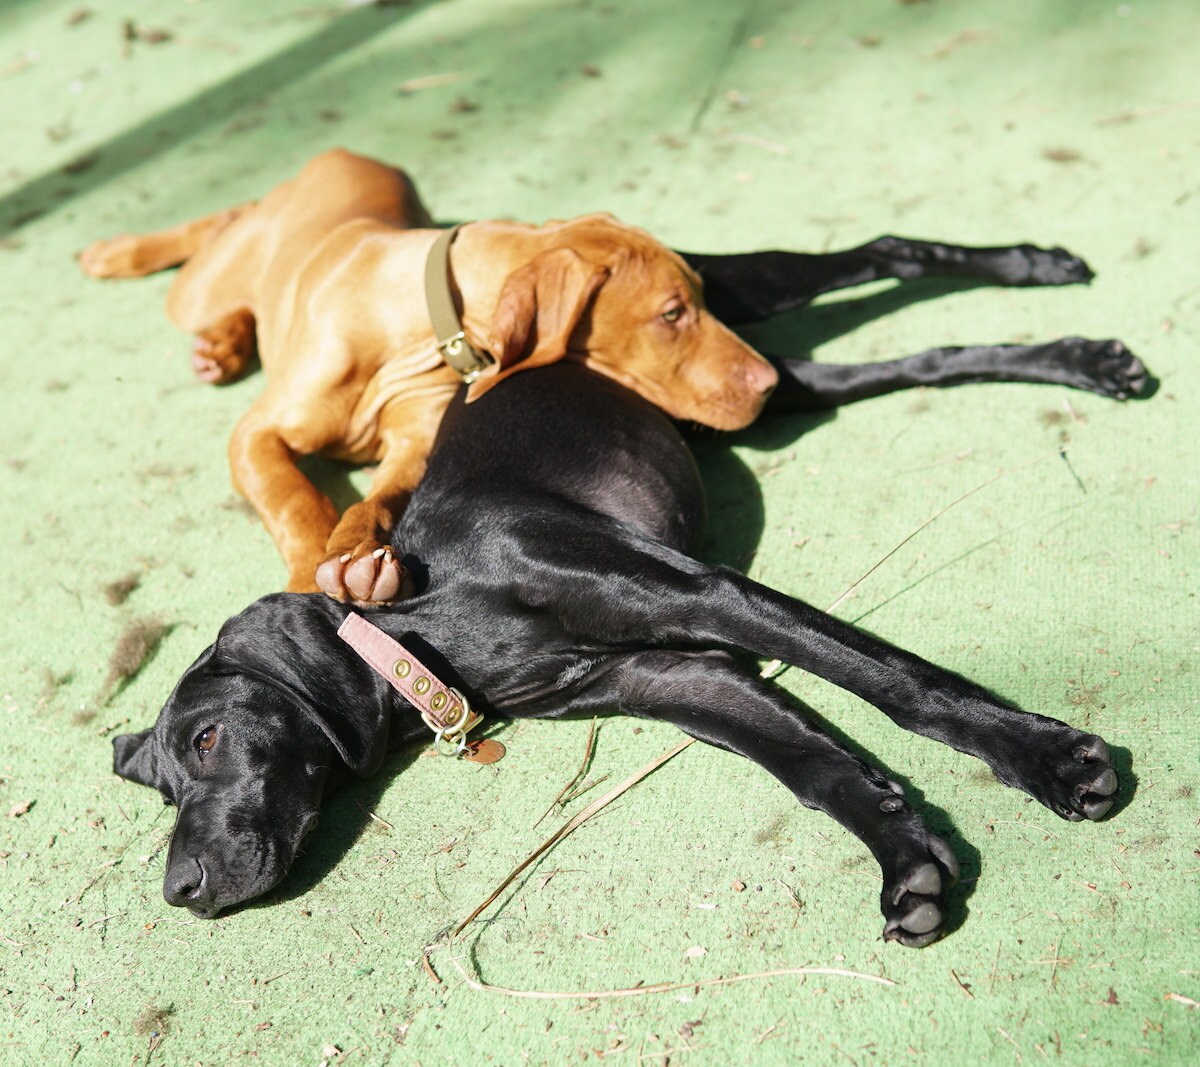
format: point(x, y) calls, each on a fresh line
point(1054, 266)
point(914, 894)
point(1105, 367)
point(1086, 784)
point(1068, 771)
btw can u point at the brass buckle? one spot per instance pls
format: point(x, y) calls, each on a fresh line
point(455, 348)
point(454, 734)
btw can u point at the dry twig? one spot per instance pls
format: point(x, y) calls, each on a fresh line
point(660, 987)
point(776, 667)
point(571, 824)
point(587, 756)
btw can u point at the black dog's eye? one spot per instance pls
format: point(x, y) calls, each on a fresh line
point(674, 313)
point(205, 740)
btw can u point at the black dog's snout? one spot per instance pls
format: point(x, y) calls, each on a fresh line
point(186, 886)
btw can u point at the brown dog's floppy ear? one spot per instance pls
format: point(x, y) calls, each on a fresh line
point(135, 758)
point(539, 307)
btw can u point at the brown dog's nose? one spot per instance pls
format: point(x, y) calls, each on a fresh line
point(762, 377)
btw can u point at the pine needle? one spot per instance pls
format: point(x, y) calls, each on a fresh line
point(587, 755)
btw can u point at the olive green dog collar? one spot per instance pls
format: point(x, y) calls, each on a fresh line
point(452, 342)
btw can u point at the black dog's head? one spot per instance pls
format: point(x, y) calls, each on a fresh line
point(245, 744)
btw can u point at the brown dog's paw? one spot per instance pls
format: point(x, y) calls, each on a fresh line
point(117, 257)
point(222, 352)
point(370, 574)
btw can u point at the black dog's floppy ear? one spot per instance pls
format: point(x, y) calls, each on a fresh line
point(135, 758)
point(281, 641)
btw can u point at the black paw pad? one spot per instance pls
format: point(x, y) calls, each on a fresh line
point(918, 928)
point(925, 879)
point(914, 905)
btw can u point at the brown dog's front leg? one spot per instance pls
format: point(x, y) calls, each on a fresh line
point(360, 564)
point(298, 516)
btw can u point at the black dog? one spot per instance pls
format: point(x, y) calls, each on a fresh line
point(556, 581)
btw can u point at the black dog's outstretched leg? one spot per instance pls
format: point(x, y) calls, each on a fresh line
point(681, 604)
point(1065, 769)
point(751, 286)
point(1104, 367)
point(712, 698)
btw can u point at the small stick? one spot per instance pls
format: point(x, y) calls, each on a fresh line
point(433, 975)
point(960, 984)
point(371, 815)
point(1066, 459)
point(1148, 112)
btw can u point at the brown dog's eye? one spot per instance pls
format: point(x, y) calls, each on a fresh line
point(205, 740)
point(673, 313)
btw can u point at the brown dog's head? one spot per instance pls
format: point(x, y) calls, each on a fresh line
point(614, 298)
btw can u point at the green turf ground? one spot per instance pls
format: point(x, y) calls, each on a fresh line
point(1068, 588)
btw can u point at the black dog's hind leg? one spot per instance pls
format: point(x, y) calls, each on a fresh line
point(712, 698)
point(1104, 367)
point(751, 286)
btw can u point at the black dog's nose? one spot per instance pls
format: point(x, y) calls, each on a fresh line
point(186, 886)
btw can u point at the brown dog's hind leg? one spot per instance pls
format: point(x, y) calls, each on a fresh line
point(136, 255)
point(222, 352)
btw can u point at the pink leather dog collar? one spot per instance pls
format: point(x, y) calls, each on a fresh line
point(444, 709)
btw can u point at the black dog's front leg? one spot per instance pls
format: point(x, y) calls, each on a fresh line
point(678, 603)
point(751, 286)
point(1065, 769)
point(712, 698)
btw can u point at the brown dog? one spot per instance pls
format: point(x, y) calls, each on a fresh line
point(325, 275)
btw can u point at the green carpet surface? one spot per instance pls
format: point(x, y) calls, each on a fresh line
point(1067, 585)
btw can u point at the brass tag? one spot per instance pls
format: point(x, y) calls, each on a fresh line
point(485, 750)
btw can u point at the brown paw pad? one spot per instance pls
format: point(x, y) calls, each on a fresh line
point(369, 575)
